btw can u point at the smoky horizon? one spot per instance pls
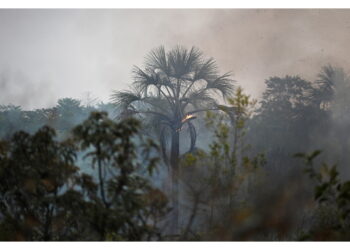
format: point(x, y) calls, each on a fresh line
point(174, 125)
point(49, 54)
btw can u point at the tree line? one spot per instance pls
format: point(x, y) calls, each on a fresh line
point(225, 162)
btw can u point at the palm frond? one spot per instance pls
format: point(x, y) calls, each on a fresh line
point(194, 57)
point(326, 76)
point(326, 81)
point(183, 62)
point(206, 71)
point(123, 99)
point(157, 59)
point(143, 80)
point(222, 84)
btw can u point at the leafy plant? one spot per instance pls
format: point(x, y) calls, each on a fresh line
point(44, 195)
point(330, 191)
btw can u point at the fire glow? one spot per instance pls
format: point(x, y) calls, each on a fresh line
point(188, 117)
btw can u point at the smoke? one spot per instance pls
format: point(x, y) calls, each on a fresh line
point(18, 89)
point(67, 52)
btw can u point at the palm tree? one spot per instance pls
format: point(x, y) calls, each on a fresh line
point(327, 78)
point(168, 92)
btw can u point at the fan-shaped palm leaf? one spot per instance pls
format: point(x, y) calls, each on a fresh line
point(123, 99)
point(326, 76)
point(222, 84)
point(182, 62)
point(157, 59)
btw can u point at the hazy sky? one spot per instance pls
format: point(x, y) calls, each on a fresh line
point(50, 54)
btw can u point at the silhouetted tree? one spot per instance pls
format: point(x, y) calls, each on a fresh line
point(173, 87)
point(286, 119)
point(45, 196)
point(121, 208)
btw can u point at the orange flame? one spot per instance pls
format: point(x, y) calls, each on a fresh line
point(187, 117)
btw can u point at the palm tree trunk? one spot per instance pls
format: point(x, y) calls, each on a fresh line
point(174, 161)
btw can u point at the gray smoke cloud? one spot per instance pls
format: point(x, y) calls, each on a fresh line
point(50, 54)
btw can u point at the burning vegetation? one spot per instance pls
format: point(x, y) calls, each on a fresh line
point(75, 172)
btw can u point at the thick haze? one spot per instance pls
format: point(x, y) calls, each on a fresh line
point(50, 54)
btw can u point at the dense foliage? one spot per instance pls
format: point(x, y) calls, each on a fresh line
point(45, 196)
point(225, 163)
